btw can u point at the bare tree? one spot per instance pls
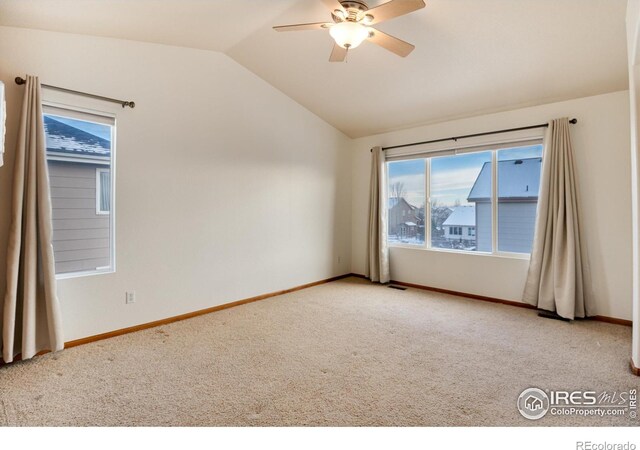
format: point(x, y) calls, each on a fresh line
point(397, 190)
point(439, 214)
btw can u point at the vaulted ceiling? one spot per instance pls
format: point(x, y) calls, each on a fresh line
point(471, 56)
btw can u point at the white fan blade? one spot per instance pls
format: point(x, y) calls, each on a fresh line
point(338, 54)
point(393, 44)
point(394, 8)
point(304, 26)
point(333, 5)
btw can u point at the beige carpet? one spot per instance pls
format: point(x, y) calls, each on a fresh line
point(344, 353)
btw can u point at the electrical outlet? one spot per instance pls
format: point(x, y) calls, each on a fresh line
point(131, 297)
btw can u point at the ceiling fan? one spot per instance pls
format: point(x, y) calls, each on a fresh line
point(352, 20)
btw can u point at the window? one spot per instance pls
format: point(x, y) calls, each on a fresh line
point(103, 191)
point(3, 116)
point(477, 201)
point(80, 159)
point(406, 202)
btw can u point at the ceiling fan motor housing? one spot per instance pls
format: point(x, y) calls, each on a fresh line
point(355, 11)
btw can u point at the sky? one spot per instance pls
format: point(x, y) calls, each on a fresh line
point(97, 129)
point(452, 177)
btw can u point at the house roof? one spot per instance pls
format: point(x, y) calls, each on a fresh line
point(517, 179)
point(464, 216)
point(63, 138)
point(393, 201)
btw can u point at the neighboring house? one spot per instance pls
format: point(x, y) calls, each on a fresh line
point(405, 220)
point(460, 226)
point(518, 186)
point(408, 229)
point(79, 172)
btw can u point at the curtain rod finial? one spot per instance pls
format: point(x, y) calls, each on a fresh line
point(20, 81)
point(574, 120)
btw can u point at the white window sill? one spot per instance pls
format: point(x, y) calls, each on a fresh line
point(462, 252)
point(88, 273)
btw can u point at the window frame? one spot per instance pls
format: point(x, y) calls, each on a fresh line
point(3, 121)
point(112, 118)
point(493, 147)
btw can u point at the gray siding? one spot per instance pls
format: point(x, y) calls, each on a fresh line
point(516, 224)
point(80, 236)
point(483, 226)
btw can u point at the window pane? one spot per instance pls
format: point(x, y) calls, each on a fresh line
point(79, 160)
point(518, 185)
point(406, 201)
point(105, 191)
point(461, 202)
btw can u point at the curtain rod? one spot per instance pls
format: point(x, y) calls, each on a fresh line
point(455, 138)
point(124, 103)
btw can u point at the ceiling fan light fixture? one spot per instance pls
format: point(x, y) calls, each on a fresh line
point(349, 34)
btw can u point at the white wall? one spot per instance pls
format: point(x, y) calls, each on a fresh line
point(225, 187)
point(601, 141)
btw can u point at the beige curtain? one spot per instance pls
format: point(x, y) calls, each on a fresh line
point(377, 250)
point(31, 314)
point(558, 278)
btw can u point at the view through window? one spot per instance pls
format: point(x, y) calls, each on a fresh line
point(453, 212)
point(79, 157)
point(461, 200)
point(407, 201)
point(518, 186)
